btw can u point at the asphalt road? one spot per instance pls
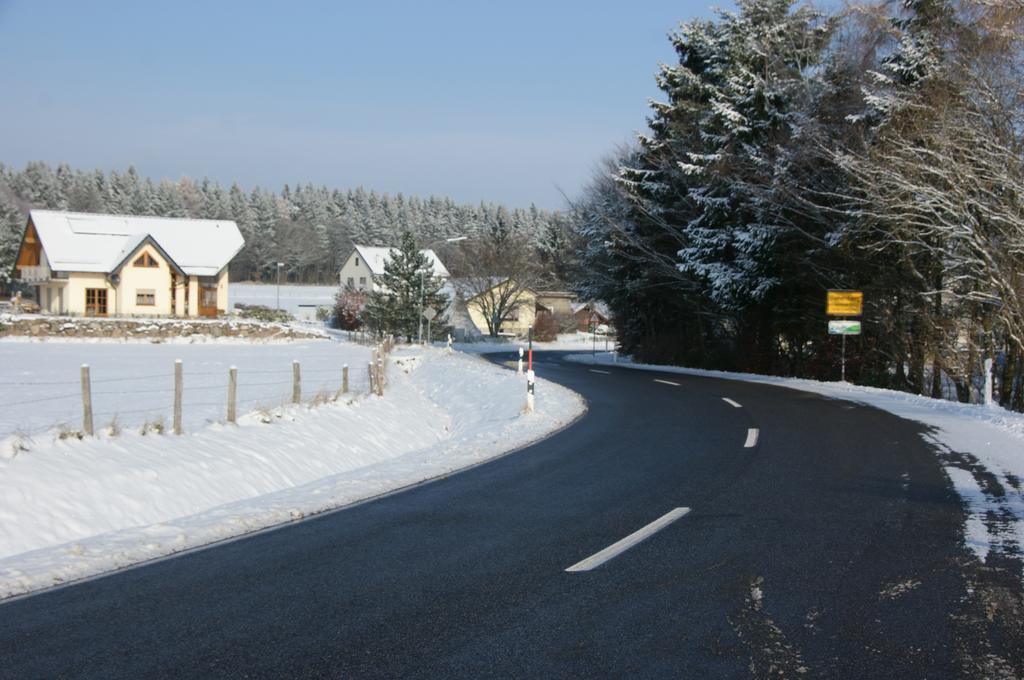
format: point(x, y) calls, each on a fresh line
point(830, 548)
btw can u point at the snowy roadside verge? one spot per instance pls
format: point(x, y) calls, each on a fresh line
point(982, 448)
point(73, 509)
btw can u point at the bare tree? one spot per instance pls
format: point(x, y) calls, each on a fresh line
point(494, 272)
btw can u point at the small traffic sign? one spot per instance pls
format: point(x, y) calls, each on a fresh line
point(429, 313)
point(845, 303)
point(844, 327)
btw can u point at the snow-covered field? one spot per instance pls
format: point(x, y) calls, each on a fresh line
point(300, 301)
point(40, 383)
point(983, 448)
point(70, 508)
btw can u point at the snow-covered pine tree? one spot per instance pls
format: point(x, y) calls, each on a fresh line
point(37, 186)
point(12, 224)
point(705, 179)
point(86, 192)
point(755, 84)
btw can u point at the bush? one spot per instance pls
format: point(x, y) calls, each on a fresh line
point(348, 305)
point(262, 313)
point(545, 328)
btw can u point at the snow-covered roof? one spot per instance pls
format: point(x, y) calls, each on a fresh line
point(595, 305)
point(88, 242)
point(375, 258)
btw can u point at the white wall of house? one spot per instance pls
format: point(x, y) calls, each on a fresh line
point(51, 296)
point(67, 296)
point(222, 291)
point(78, 283)
point(193, 296)
point(356, 270)
point(139, 285)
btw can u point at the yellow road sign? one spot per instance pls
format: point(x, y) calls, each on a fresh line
point(845, 303)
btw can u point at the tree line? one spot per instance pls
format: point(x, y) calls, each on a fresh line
point(308, 228)
point(880, 148)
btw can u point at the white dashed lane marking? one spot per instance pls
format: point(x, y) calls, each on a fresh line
point(666, 382)
point(751, 438)
point(619, 547)
point(594, 370)
point(732, 403)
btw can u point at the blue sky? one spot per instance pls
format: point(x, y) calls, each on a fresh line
point(510, 102)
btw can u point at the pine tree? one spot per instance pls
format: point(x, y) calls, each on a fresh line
point(408, 280)
point(12, 225)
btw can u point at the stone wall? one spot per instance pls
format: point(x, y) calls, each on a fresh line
point(148, 329)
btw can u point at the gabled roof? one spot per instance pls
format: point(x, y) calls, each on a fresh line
point(594, 306)
point(133, 245)
point(375, 258)
point(88, 242)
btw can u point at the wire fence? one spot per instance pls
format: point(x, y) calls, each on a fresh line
point(149, 401)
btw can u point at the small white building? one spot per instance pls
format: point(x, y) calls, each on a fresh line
point(104, 265)
point(366, 262)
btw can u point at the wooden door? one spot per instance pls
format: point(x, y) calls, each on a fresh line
point(95, 301)
point(208, 301)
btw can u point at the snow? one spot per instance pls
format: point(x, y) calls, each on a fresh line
point(134, 382)
point(981, 448)
point(300, 301)
point(74, 508)
point(87, 242)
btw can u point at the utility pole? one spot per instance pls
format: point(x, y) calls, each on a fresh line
point(419, 331)
point(279, 265)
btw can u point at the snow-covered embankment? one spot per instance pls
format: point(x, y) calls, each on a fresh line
point(73, 508)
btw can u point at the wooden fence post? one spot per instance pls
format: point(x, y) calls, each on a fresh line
point(86, 401)
point(380, 377)
point(177, 396)
point(344, 379)
point(296, 383)
point(232, 393)
point(369, 369)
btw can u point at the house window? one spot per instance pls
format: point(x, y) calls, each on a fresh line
point(95, 301)
point(350, 282)
point(357, 261)
point(145, 260)
point(145, 297)
point(362, 282)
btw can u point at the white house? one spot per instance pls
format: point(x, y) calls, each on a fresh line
point(365, 262)
point(100, 265)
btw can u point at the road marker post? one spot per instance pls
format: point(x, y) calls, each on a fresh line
point(519, 368)
point(529, 391)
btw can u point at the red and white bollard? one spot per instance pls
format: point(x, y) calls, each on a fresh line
point(529, 391)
